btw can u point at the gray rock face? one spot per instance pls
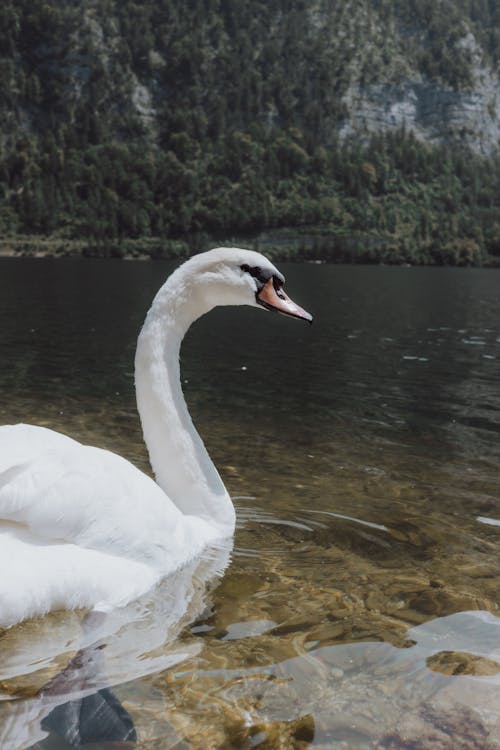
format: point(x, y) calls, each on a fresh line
point(433, 111)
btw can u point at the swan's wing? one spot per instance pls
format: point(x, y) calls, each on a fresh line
point(79, 526)
point(62, 490)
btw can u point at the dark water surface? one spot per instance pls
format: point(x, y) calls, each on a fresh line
point(358, 606)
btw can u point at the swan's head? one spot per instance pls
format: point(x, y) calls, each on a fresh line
point(233, 276)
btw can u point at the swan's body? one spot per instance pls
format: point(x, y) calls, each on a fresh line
point(83, 527)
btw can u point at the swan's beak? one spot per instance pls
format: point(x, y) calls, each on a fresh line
point(274, 298)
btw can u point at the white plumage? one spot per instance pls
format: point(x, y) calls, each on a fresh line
point(83, 527)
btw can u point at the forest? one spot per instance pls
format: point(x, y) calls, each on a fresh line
point(168, 126)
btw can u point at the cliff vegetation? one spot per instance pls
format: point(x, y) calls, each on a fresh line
point(348, 130)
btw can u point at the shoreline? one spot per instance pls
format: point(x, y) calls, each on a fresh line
point(69, 253)
point(27, 247)
point(151, 249)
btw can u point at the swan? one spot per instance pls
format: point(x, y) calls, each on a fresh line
point(81, 527)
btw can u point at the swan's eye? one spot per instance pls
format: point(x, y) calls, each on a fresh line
point(256, 272)
point(262, 277)
point(277, 283)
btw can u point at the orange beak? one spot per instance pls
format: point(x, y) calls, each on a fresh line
point(273, 298)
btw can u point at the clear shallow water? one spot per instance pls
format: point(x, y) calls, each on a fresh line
point(358, 606)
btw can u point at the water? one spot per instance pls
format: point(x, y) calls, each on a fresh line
point(358, 607)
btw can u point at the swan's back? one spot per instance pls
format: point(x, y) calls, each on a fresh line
point(20, 443)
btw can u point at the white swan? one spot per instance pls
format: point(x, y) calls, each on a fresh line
point(81, 527)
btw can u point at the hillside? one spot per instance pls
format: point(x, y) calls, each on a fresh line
point(370, 126)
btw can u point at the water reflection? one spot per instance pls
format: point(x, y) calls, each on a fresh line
point(98, 651)
point(96, 718)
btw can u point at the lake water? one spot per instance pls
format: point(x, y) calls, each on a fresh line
point(358, 607)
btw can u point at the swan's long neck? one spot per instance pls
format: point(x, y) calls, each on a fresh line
point(181, 464)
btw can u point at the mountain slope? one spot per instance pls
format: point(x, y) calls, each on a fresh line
point(167, 117)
